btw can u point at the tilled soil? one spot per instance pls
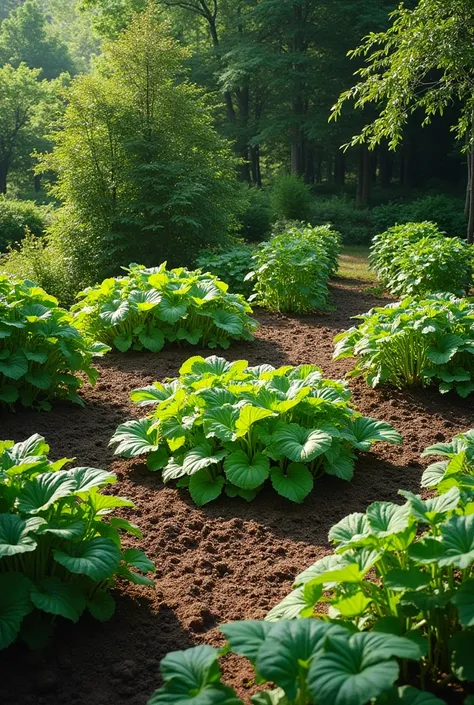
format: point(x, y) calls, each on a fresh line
point(228, 560)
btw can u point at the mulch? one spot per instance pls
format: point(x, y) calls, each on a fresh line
point(229, 560)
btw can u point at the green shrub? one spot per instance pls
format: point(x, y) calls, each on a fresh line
point(417, 259)
point(403, 570)
point(291, 198)
point(41, 351)
point(59, 555)
point(446, 211)
point(415, 343)
point(225, 425)
point(17, 216)
point(255, 220)
point(292, 269)
point(354, 224)
point(231, 266)
point(150, 307)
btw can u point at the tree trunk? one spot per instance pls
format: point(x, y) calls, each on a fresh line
point(470, 226)
point(385, 166)
point(309, 168)
point(340, 170)
point(318, 175)
point(467, 203)
point(255, 165)
point(367, 178)
point(360, 176)
point(3, 178)
point(37, 183)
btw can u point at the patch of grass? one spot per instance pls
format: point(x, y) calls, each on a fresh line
point(354, 264)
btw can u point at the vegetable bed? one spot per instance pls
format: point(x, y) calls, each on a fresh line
point(227, 560)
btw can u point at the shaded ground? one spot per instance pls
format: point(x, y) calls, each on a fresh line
point(226, 561)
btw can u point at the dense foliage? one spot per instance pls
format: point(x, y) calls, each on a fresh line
point(293, 268)
point(150, 307)
point(16, 216)
point(405, 570)
point(232, 266)
point(291, 198)
point(59, 552)
point(142, 173)
point(41, 352)
point(417, 259)
point(415, 342)
point(226, 425)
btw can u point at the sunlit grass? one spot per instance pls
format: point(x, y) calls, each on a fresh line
point(354, 263)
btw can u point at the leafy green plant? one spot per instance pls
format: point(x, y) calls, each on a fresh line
point(226, 425)
point(446, 211)
point(150, 307)
point(308, 660)
point(231, 266)
point(405, 570)
point(414, 343)
point(60, 552)
point(292, 269)
point(16, 216)
point(417, 259)
point(255, 219)
point(41, 351)
point(291, 198)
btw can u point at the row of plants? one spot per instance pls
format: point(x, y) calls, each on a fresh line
point(60, 552)
point(388, 618)
point(225, 426)
point(416, 259)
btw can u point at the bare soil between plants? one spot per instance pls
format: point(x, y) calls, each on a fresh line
point(229, 560)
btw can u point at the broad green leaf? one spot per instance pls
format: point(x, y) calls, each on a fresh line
point(87, 478)
point(464, 601)
point(15, 604)
point(444, 348)
point(204, 487)
point(101, 605)
point(157, 460)
point(220, 422)
point(124, 525)
point(9, 394)
point(202, 456)
point(14, 365)
point(39, 378)
point(386, 518)
point(294, 484)
point(104, 503)
point(289, 648)
point(44, 490)
point(123, 342)
point(427, 550)
point(249, 415)
point(329, 563)
point(352, 606)
point(246, 638)
point(14, 536)
point(462, 657)
point(364, 431)
point(66, 529)
point(434, 509)
point(458, 540)
point(56, 597)
point(133, 438)
point(152, 339)
point(169, 311)
point(246, 473)
point(407, 695)
point(349, 530)
point(434, 473)
point(114, 311)
point(98, 558)
point(301, 445)
point(228, 321)
point(269, 697)
point(292, 605)
point(409, 579)
point(138, 559)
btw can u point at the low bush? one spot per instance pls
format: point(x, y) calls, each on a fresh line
point(406, 571)
point(150, 307)
point(417, 259)
point(292, 269)
point(291, 198)
point(414, 343)
point(231, 266)
point(446, 211)
point(224, 425)
point(255, 220)
point(41, 352)
point(18, 216)
point(59, 552)
point(354, 224)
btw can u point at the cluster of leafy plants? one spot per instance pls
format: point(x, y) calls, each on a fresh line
point(292, 269)
point(231, 266)
point(414, 343)
point(226, 426)
point(150, 307)
point(417, 259)
point(404, 570)
point(41, 351)
point(17, 216)
point(59, 552)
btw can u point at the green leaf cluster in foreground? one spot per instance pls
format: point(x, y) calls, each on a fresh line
point(150, 307)
point(59, 552)
point(224, 425)
point(414, 343)
point(293, 268)
point(416, 259)
point(41, 351)
point(388, 618)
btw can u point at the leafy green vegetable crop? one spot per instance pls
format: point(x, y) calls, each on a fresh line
point(40, 349)
point(231, 266)
point(417, 259)
point(292, 269)
point(415, 342)
point(58, 554)
point(405, 570)
point(226, 425)
point(150, 307)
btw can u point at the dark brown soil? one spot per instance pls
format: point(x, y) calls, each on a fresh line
point(226, 561)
